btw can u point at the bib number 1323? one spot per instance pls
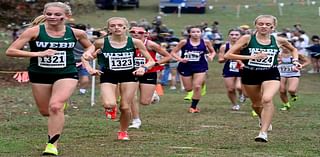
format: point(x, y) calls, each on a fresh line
point(118, 63)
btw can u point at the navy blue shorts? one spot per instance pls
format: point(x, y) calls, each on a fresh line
point(228, 73)
point(50, 78)
point(186, 69)
point(148, 78)
point(257, 77)
point(115, 77)
point(82, 71)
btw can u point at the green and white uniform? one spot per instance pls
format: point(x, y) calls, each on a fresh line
point(117, 63)
point(272, 50)
point(257, 71)
point(62, 62)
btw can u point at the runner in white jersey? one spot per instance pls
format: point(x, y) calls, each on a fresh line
point(290, 77)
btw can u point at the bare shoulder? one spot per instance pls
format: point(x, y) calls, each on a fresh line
point(281, 40)
point(137, 41)
point(246, 37)
point(79, 33)
point(152, 43)
point(183, 41)
point(207, 41)
point(31, 32)
point(99, 43)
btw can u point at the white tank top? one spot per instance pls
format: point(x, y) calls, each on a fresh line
point(286, 68)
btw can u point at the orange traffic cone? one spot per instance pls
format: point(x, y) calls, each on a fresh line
point(159, 90)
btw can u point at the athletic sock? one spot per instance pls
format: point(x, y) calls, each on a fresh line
point(53, 139)
point(194, 103)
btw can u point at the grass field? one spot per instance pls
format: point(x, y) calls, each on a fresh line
point(168, 130)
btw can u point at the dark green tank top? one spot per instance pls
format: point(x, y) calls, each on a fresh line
point(62, 62)
point(117, 59)
point(254, 47)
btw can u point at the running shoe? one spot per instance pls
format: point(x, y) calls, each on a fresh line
point(235, 107)
point(204, 90)
point(65, 106)
point(123, 135)
point(50, 150)
point(189, 95)
point(155, 98)
point(136, 124)
point(111, 113)
point(242, 98)
point(253, 113)
point(294, 98)
point(173, 87)
point(262, 137)
point(285, 106)
point(192, 110)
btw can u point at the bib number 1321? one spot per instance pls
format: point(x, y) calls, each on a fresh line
point(58, 60)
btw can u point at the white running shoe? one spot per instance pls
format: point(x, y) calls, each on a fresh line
point(242, 98)
point(155, 98)
point(236, 108)
point(173, 87)
point(136, 124)
point(262, 137)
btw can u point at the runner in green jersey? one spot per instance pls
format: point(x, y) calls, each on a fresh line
point(116, 58)
point(52, 67)
point(260, 76)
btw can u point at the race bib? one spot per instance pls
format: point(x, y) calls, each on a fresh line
point(262, 63)
point(192, 56)
point(58, 60)
point(233, 66)
point(138, 61)
point(118, 63)
point(285, 68)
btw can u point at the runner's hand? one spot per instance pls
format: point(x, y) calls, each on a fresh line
point(259, 55)
point(88, 56)
point(210, 57)
point(95, 72)
point(139, 72)
point(47, 53)
point(184, 60)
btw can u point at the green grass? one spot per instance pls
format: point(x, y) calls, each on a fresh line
point(168, 130)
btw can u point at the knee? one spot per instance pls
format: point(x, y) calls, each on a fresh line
point(282, 90)
point(197, 88)
point(231, 90)
point(125, 109)
point(292, 90)
point(266, 100)
point(145, 102)
point(56, 107)
point(109, 105)
point(84, 81)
